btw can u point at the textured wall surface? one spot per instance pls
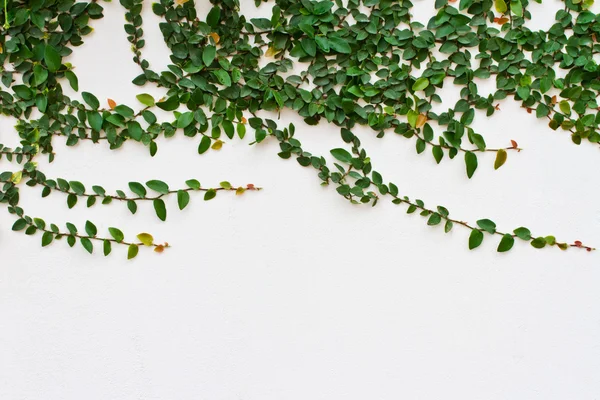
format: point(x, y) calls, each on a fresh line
point(292, 293)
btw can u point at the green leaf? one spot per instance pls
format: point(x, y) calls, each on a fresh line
point(63, 184)
point(40, 73)
point(87, 244)
point(90, 228)
point(516, 7)
point(342, 155)
point(434, 219)
point(95, 120)
point(146, 239)
point(19, 224)
point(585, 17)
point(158, 186)
point(91, 100)
point(41, 101)
point(448, 226)
point(71, 200)
point(71, 240)
point(339, 44)
point(204, 144)
point(500, 6)
point(427, 132)
point(487, 225)
point(321, 7)
point(40, 224)
point(193, 184)
point(183, 198)
point(501, 157)
point(323, 43)
point(545, 84)
point(214, 16)
point(124, 111)
point(241, 130)
point(116, 234)
point(158, 9)
point(77, 187)
point(523, 233)
point(565, 107)
point(132, 206)
point(23, 92)
point(52, 58)
point(310, 47)
point(228, 128)
point(135, 130)
point(355, 90)
point(223, 77)
point(161, 210)
point(208, 55)
point(438, 153)
point(420, 145)
point(132, 251)
point(107, 247)
point(116, 120)
point(225, 185)
point(185, 119)
point(48, 237)
point(377, 178)
point(420, 84)
point(468, 116)
point(475, 239)
point(170, 104)
point(210, 194)
point(539, 243)
point(137, 188)
point(73, 81)
point(471, 163)
point(542, 110)
point(145, 99)
point(412, 118)
point(506, 243)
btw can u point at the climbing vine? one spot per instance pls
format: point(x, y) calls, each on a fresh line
point(363, 62)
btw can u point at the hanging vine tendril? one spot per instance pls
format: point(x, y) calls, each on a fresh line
point(362, 62)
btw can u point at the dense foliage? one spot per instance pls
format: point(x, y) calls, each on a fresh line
point(363, 62)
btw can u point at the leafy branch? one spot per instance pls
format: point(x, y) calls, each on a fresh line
point(76, 189)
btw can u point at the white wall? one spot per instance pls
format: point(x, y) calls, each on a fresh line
point(292, 293)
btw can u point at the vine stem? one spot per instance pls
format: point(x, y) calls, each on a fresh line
point(518, 149)
point(467, 225)
point(139, 198)
point(17, 153)
point(100, 239)
point(444, 216)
